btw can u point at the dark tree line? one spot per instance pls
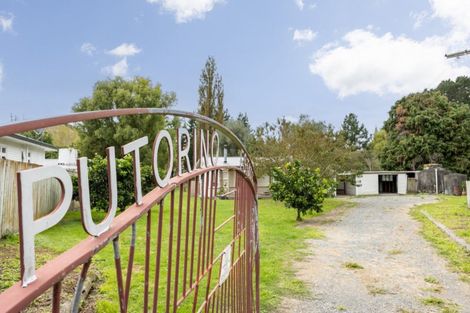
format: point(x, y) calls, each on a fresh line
point(432, 126)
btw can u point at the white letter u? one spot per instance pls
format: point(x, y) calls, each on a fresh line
point(84, 191)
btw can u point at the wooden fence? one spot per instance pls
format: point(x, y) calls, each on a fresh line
point(46, 195)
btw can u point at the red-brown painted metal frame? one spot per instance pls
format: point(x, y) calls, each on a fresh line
point(236, 294)
point(17, 298)
point(18, 127)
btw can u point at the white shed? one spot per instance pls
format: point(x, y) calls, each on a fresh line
point(24, 149)
point(375, 183)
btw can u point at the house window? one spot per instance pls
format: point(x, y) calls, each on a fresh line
point(3, 153)
point(29, 157)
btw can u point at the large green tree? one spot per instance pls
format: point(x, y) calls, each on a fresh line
point(355, 133)
point(119, 93)
point(240, 126)
point(211, 92)
point(456, 91)
point(427, 128)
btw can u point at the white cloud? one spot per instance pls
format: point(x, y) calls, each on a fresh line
point(304, 35)
point(6, 21)
point(88, 48)
point(419, 18)
point(366, 62)
point(125, 50)
point(300, 4)
point(186, 10)
point(118, 69)
point(456, 13)
point(387, 64)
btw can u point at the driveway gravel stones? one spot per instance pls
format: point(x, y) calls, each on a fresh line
point(373, 259)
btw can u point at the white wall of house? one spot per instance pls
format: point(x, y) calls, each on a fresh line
point(22, 151)
point(67, 159)
point(402, 184)
point(367, 184)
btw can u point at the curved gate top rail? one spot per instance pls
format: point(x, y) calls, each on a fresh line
point(19, 127)
point(188, 263)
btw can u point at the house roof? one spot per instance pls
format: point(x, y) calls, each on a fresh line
point(31, 141)
point(378, 172)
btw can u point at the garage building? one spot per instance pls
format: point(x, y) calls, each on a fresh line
point(377, 182)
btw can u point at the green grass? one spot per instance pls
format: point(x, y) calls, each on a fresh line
point(431, 280)
point(395, 252)
point(433, 301)
point(353, 266)
point(375, 290)
point(444, 305)
point(282, 241)
point(452, 212)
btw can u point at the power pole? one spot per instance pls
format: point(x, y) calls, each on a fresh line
point(457, 54)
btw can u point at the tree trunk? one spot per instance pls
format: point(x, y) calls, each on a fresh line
point(298, 216)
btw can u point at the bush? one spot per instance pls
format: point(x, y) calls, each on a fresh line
point(300, 188)
point(97, 174)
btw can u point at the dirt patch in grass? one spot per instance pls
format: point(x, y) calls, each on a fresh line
point(328, 216)
point(10, 274)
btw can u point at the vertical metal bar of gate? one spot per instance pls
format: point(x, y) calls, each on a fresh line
point(182, 256)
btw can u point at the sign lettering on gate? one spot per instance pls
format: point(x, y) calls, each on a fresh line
point(187, 216)
point(27, 226)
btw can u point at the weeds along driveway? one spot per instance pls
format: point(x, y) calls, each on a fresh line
point(373, 259)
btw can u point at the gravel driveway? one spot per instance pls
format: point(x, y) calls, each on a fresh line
point(400, 269)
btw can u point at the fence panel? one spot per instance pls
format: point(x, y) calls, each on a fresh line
point(46, 194)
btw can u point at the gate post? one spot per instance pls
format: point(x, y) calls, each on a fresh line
point(467, 190)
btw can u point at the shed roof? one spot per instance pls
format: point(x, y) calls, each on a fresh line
point(378, 172)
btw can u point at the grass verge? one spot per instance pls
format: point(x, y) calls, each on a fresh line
point(452, 212)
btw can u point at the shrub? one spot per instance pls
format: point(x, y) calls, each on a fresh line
point(97, 174)
point(300, 188)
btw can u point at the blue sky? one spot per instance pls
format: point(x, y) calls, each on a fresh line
point(277, 58)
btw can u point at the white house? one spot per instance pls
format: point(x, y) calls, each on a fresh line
point(227, 179)
point(377, 182)
point(24, 149)
point(67, 159)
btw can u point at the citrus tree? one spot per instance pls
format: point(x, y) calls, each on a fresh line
point(300, 187)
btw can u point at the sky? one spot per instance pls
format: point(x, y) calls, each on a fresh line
point(323, 58)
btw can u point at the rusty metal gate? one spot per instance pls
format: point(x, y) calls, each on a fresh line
point(196, 257)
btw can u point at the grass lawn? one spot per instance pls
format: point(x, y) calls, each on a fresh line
point(281, 244)
point(453, 213)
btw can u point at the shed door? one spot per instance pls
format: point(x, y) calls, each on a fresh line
point(402, 184)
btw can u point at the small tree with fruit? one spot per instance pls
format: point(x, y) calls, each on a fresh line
point(300, 188)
